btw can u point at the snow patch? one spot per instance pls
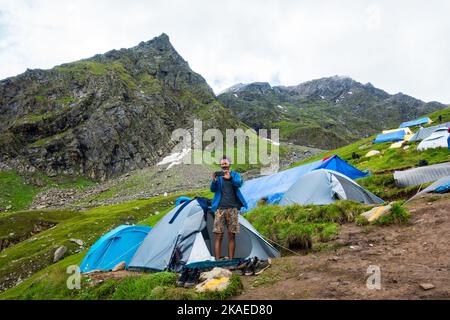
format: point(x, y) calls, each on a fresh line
point(350, 92)
point(174, 158)
point(322, 97)
point(271, 141)
point(235, 95)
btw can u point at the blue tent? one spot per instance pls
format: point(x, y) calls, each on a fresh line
point(182, 199)
point(272, 187)
point(391, 136)
point(119, 244)
point(416, 122)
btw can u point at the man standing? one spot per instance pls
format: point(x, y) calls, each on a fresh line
point(226, 204)
point(448, 139)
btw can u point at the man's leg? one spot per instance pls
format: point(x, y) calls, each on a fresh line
point(231, 244)
point(217, 245)
point(219, 222)
point(233, 228)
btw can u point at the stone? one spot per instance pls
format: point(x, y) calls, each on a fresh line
point(120, 266)
point(8, 207)
point(77, 241)
point(218, 284)
point(377, 212)
point(59, 253)
point(426, 286)
point(215, 273)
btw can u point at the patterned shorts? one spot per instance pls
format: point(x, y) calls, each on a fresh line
point(228, 218)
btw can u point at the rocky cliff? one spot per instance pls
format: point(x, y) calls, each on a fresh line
point(104, 115)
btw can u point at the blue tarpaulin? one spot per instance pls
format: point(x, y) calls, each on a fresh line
point(416, 122)
point(391, 136)
point(119, 244)
point(272, 187)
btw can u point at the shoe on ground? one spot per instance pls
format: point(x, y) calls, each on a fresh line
point(193, 278)
point(250, 271)
point(262, 265)
point(243, 266)
point(183, 277)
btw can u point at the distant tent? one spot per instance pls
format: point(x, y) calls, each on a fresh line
point(326, 186)
point(391, 136)
point(273, 186)
point(406, 130)
point(416, 122)
point(183, 237)
point(119, 244)
point(438, 139)
point(424, 133)
point(440, 186)
point(417, 176)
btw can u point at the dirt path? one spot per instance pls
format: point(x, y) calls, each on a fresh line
point(407, 256)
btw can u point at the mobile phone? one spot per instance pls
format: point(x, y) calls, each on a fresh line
point(218, 173)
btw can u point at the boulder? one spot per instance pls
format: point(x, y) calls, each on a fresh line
point(426, 286)
point(77, 241)
point(376, 212)
point(120, 266)
point(59, 253)
point(218, 284)
point(215, 273)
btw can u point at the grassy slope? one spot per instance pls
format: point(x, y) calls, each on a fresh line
point(50, 282)
point(31, 255)
point(382, 166)
point(18, 190)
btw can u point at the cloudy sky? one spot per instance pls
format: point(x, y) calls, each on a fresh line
point(399, 46)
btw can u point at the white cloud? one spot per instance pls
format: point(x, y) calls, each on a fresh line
point(397, 46)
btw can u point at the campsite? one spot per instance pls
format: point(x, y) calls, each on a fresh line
point(323, 249)
point(185, 155)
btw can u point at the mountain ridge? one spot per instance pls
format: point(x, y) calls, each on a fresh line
point(325, 113)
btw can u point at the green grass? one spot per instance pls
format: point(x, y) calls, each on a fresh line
point(18, 190)
point(398, 215)
point(21, 224)
point(383, 185)
point(300, 227)
point(15, 191)
point(445, 113)
point(33, 118)
point(50, 284)
point(31, 255)
point(149, 85)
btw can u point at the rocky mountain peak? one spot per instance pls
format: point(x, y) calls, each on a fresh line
point(104, 115)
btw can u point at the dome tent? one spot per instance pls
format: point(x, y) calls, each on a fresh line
point(184, 238)
point(438, 139)
point(116, 246)
point(326, 186)
point(273, 186)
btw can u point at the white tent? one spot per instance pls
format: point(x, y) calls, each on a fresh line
point(326, 186)
point(438, 139)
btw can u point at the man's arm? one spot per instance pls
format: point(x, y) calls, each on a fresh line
point(236, 180)
point(213, 186)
